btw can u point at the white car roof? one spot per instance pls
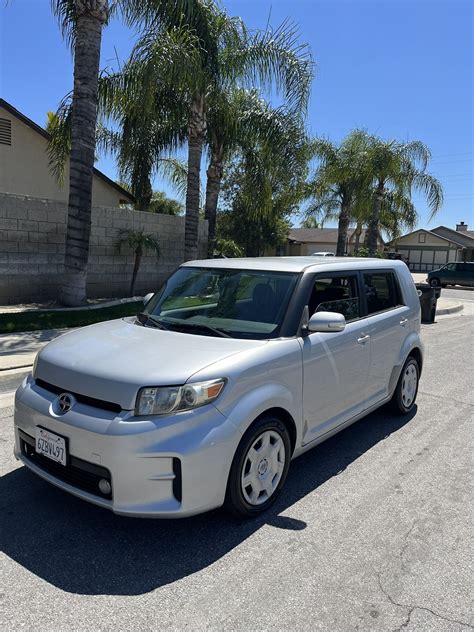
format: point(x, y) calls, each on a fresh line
point(295, 264)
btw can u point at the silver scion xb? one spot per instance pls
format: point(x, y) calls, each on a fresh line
point(235, 367)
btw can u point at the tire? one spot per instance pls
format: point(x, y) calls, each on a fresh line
point(404, 397)
point(266, 472)
point(435, 282)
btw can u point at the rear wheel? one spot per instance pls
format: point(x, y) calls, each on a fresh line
point(404, 398)
point(259, 468)
point(435, 282)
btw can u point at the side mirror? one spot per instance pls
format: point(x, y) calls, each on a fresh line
point(147, 298)
point(326, 321)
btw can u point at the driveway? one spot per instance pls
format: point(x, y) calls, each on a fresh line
point(372, 533)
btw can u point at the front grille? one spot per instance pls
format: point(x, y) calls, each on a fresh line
point(78, 473)
point(83, 399)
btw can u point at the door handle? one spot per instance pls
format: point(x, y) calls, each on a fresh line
point(363, 339)
point(403, 321)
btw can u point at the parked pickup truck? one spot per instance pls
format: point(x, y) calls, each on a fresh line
point(452, 274)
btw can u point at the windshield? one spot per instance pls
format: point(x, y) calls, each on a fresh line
point(218, 302)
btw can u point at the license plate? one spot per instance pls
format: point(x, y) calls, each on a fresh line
point(51, 445)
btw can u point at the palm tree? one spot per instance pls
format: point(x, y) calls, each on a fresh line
point(226, 56)
point(237, 120)
point(263, 186)
point(311, 222)
point(339, 181)
point(81, 23)
point(397, 169)
point(140, 242)
point(397, 213)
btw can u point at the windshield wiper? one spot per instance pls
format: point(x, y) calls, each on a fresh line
point(214, 330)
point(146, 319)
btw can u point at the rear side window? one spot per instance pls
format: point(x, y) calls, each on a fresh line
point(381, 291)
point(335, 294)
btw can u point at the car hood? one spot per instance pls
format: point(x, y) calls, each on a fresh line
point(112, 360)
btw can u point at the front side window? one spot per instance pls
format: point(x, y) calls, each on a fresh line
point(382, 291)
point(231, 303)
point(335, 294)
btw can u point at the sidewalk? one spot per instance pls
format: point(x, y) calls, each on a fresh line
point(18, 350)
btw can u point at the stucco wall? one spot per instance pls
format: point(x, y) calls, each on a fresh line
point(413, 240)
point(24, 168)
point(32, 237)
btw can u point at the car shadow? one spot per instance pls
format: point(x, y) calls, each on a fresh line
point(84, 549)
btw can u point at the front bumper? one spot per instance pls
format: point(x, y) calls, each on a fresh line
point(161, 467)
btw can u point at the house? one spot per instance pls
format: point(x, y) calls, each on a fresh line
point(24, 168)
point(426, 250)
point(306, 241)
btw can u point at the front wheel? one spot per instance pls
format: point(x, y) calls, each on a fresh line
point(404, 398)
point(259, 468)
point(434, 282)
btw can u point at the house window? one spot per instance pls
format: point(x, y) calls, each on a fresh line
point(421, 238)
point(5, 131)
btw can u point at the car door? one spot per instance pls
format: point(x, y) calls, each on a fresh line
point(461, 274)
point(388, 326)
point(335, 364)
point(448, 274)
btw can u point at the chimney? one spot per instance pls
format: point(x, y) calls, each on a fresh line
point(461, 227)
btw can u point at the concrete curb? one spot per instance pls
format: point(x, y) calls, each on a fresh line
point(450, 309)
point(119, 301)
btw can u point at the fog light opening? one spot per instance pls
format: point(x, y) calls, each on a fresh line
point(105, 487)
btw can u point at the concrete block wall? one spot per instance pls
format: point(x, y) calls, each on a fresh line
point(32, 238)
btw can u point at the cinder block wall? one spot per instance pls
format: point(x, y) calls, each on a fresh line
point(32, 238)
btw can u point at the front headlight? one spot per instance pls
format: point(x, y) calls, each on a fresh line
point(162, 400)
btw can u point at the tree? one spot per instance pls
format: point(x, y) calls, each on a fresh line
point(237, 120)
point(262, 188)
point(226, 56)
point(396, 169)
point(311, 222)
point(161, 203)
point(81, 23)
point(140, 242)
point(340, 180)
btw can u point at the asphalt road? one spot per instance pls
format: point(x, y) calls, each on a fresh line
point(372, 533)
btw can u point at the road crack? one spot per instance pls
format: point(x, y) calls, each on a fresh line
point(444, 398)
point(412, 607)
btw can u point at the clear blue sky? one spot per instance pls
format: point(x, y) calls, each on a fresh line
point(399, 68)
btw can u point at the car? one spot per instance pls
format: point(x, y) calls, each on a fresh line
point(323, 254)
point(233, 368)
point(460, 273)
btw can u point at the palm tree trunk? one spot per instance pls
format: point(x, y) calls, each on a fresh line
point(342, 228)
point(136, 267)
point(143, 195)
point(90, 20)
point(375, 219)
point(196, 137)
point(213, 187)
point(358, 233)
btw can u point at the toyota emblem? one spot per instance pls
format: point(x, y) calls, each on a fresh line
point(65, 402)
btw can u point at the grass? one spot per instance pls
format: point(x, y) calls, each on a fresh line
point(32, 321)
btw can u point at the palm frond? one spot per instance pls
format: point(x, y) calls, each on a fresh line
point(59, 144)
